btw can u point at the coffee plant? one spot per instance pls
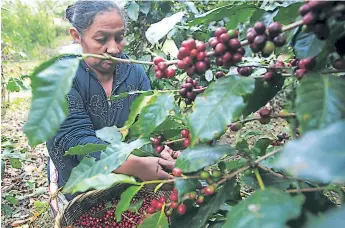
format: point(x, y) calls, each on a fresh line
point(225, 79)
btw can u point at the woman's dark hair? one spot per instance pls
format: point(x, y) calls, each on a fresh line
point(82, 13)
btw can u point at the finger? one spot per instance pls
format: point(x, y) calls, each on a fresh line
point(162, 175)
point(166, 155)
point(166, 163)
point(176, 154)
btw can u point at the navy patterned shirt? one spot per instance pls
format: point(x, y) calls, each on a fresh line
point(89, 110)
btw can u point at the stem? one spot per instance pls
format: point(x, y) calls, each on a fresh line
point(287, 115)
point(173, 141)
point(306, 190)
point(292, 26)
point(108, 57)
point(259, 179)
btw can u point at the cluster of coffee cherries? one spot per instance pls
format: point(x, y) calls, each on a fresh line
point(102, 215)
point(227, 48)
point(162, 69)
point(186, 136)
point(157, 205)
point(157, 143)
point(303, 66)
point(274, 70)
point(263, 41)
point(245, 71)
point(187, 90)
point(316, 13)
point(193, 57)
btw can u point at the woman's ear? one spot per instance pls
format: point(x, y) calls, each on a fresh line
point(75, 35)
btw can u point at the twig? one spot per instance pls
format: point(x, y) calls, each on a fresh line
point(173, 141)
point(108, 57)
point(277, 174)
point(306, 190)
point(287, 115)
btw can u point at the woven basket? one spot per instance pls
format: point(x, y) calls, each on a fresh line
point(84, 202)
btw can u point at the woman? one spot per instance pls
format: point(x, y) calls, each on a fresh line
point(99, 27)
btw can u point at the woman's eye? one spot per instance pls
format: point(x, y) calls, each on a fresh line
point(118, 39)
point(101, 40)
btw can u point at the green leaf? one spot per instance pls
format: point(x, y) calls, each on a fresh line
point(232, 165)
point(85, 149)
point(12, 200)
point(317, 155)
point(186, 186)
point(50, 83)
point(325, 98)
point(236, 13)
point(268, 208)
point(41, 206)
point(134, 207)
point(333, 218)
point(15, 163)
point(307, 45)
point(201, 156)
point(218, 106)
point(261, 145)
point(156, 220)
point(126, 198)
point(114, 156)
point(126, 94)
point(155, 113)
point(15, 85)
point(158, 30)
point(133, 11)
point(145, 7)
point(288, 15)
point(137, 105)
point(109, 134)
point(269, 181)
point(261, 95)
point(197, 218)
point(102, 181)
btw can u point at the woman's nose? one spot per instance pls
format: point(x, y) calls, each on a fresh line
point(113, 48)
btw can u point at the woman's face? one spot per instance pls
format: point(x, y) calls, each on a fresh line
point(104, 35)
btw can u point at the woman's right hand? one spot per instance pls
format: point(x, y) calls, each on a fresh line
point(152, 168)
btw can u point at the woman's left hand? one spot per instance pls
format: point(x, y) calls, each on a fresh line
point(169, 154)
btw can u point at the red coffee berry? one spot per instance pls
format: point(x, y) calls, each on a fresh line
point(241, 51)
point(188, 61)
point(157, 60)
point(200, 67)
point(265, 112)
point(200, 46)
point(260, 40)
point(234, 44)
point(260, 27)
point(191, 70)
point(174, 197)
point(195, 83)
point(274, 29)
point(170, 72)
point(220, 49)
point(300, 73)
point(185, 133)
point(159, 149)
point(155, 68)
point(268, 75)
point(235, 126)
point(213, 42)
point(307, 63)
point(181, 209)
point(177, 172)
point(220, 74)
point(174, 204)
point(162, 66)
point(279, 40)
point(227, 57)
point(186, 142)
point(251, 36)
point(150, 210)
point(265, 120)
point(200, 199)
point(201, 56)
point(183, 92)
point(181, 64)
point(156, 141)
point(209, 190)
point(162, 199)
point(219, 31)
point(189, 80)
point(193, 53)
point(339, 64)
point(159, 74)
point(224, 38)
point(237, 58)
point(183, 51)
